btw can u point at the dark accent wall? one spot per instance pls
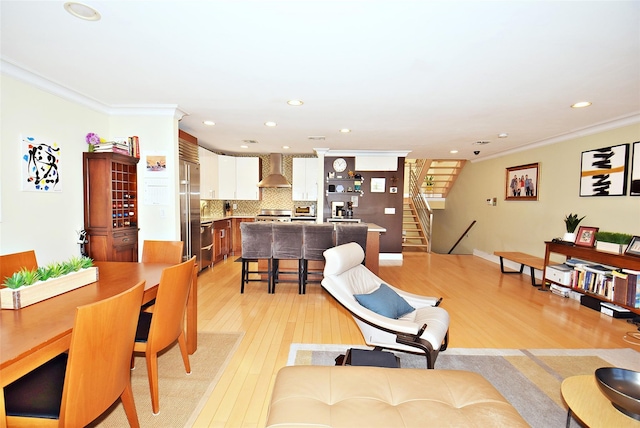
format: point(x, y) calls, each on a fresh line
point(371, 206)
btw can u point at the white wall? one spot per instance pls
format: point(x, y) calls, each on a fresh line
point(525, 225)
point(47, 222)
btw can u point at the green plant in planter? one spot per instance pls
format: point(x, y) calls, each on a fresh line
point(572, 221)
point(26, 277)
point(614, 237)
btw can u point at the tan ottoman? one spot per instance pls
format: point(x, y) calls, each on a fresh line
point(334, 396)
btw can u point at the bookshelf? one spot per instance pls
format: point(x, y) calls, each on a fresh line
point(592, 255)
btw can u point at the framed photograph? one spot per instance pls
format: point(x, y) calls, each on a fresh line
point(522, 183)
point(634, 247)
point(603, 172)
point(635, 170)
point(377, 185)
point(586, 236)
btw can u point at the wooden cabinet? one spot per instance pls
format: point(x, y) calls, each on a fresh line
point(208, 173)
point(236, 241)
point(592, 255)
point(111, 206)
point(221, 239)
point(305, 179)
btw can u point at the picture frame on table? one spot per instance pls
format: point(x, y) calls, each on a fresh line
point(521, 182)
point(586, 236)
point(633, 249)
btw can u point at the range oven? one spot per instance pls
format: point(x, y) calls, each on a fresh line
point(274, 215)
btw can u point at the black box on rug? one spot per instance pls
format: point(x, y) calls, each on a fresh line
point(590, 302)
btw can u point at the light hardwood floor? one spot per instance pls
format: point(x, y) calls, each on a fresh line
point(487, 309)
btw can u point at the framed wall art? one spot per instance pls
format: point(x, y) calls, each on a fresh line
point(603, 172)
point(522, 183)
point(635, 170)
point(586, 236)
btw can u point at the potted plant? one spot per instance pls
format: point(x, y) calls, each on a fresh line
point(612, 242)
point(571, 221)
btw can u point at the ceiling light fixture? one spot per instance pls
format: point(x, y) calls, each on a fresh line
point(270, 124)
point(295, 102)
point(209, 122)
point(82, 11)
point(503, 135)
point(581, 104)
point(286, 147)
point(244, 146)
point(453, 152)
point(345, 130)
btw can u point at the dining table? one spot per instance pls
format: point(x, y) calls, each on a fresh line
point(32, 335)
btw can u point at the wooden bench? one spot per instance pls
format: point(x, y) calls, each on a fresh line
point(524, 260)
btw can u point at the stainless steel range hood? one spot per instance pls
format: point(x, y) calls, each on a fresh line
point(275, 177)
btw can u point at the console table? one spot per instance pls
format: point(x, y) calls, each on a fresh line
point(589, 254)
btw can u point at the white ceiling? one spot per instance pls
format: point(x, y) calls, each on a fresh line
point(427, 76)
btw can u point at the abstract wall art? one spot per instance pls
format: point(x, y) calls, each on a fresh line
point(40, 166)
point(603, 172)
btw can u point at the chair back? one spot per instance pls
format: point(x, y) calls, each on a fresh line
point(171, 303)
point(345, 275)
point(356, 232)
point(287, 241)
point(257, 239)
point(98, 369)
point(169, 252)
point(317, 239)
point(12, 263)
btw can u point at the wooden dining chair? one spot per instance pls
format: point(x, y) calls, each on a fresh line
point(73, 389)
point(12, 263)
point(162, 251)
point(161, 328)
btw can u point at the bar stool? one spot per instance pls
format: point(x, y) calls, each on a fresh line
point(317, 238)
point(354, 232)
point(287, 245)
point(257, 243)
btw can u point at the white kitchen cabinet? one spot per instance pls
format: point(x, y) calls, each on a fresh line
point(247, 178)
point(238, 178)
point(208, 173)
point(305, 179)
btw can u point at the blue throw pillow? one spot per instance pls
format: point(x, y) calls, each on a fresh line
point(386, 302)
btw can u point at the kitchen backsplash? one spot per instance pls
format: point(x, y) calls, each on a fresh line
point(272, 198)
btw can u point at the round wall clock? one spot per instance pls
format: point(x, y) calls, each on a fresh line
point(339, 164)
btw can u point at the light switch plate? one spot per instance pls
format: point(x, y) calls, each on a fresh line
point(389, 210)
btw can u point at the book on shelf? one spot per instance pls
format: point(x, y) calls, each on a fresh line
point(633, 288)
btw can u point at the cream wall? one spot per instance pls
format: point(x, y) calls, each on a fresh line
point(47, 222)
point(525, 225)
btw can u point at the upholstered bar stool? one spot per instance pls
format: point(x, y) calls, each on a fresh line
point(317, 238)
point(257, 243)
point(352, 232)
point(287, 245)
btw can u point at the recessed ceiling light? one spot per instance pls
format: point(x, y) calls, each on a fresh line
point(581, 104)
point(295, 102)
point(453, 151)
point(82, 11)
point(503, 135)
point(345, 130)
point(271, 124)
point(209, 122)
point(244, 146)
point(286, 147)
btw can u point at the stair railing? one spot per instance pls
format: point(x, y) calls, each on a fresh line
point(420, 203)
point(462, 236)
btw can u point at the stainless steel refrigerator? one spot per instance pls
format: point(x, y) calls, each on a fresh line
point(190, 209)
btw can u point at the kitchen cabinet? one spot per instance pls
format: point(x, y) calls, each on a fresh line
point(236, 241)
point(238, 178)
point(305, 179)
point(208, 173)
point(111, 206)
point(221, 239)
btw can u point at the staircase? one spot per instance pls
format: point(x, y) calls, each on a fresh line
point(428, 179)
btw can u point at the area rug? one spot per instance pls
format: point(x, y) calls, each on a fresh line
point(182, 396)
point(529, 379)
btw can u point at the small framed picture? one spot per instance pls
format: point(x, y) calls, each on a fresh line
point(521, 183)
point(634, 247)
point(586, 236)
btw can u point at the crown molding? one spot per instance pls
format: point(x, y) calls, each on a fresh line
point(12, 70)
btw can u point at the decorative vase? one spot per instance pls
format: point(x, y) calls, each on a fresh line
point(92, 148)
point(569, 237)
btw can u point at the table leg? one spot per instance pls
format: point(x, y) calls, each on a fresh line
point(568, 418)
